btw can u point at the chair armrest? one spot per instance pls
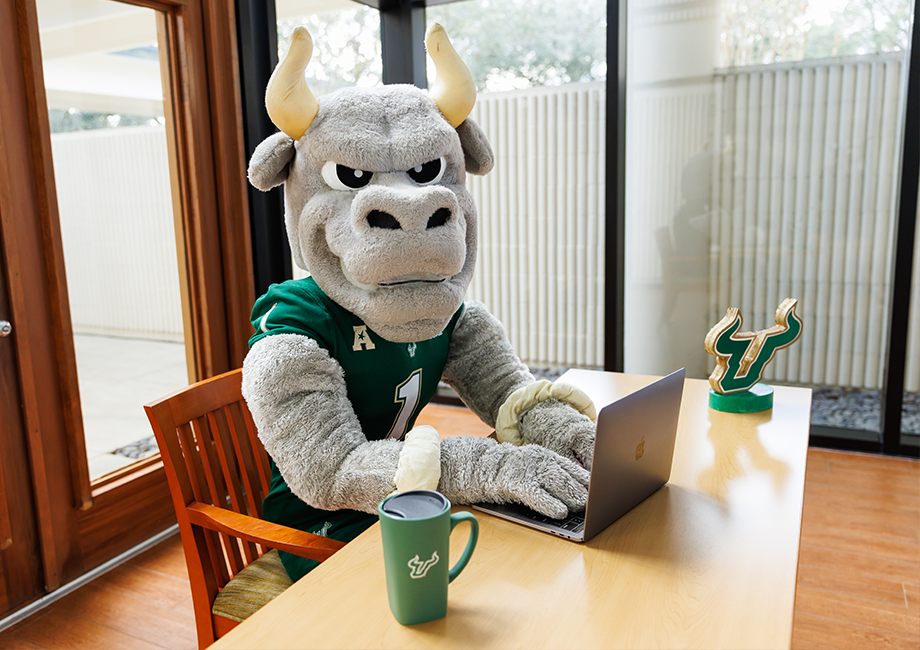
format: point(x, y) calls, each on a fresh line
point(259, 531)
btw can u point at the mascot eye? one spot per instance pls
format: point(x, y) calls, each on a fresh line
point(340, 177)
point(428, 173)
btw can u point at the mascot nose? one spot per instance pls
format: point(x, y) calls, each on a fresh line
point(439, 218)
point(381, 219)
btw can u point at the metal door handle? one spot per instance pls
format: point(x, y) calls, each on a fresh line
point(5, 327)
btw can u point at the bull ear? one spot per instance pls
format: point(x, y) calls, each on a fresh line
point(271, 161)
point(477, 152)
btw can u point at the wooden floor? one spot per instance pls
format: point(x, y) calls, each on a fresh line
point(859, 559)
point(858, 584)
point(144, 604)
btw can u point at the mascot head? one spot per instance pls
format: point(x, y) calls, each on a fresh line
point(375, 203)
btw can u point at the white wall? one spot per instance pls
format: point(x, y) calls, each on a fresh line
point(118, 232)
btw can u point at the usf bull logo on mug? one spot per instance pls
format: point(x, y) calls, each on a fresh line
point(415, 527)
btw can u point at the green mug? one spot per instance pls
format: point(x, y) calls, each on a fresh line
point(415, 527)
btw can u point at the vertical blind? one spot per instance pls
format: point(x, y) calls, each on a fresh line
point(542, 221)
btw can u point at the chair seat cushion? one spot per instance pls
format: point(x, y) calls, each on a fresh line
point(252, 588)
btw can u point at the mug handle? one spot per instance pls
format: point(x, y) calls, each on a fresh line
point(456, 518)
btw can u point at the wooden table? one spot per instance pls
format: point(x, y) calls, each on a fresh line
point(708, 561)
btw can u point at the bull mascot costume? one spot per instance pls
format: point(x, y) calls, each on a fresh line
point(342, 362)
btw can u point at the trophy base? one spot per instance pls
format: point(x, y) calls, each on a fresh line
point(757, 398)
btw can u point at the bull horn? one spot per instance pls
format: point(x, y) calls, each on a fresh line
point(290, 102)
point(453, 90)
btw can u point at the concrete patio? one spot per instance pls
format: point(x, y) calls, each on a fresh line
point(117, 377)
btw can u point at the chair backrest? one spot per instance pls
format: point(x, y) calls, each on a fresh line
point(212, 456)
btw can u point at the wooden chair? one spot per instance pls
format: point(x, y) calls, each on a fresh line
point(218, 473)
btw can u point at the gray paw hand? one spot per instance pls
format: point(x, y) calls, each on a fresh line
point(560, 427)
point(543, 481)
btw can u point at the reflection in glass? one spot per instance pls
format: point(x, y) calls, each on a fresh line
point(758, 169)
point(105, 102)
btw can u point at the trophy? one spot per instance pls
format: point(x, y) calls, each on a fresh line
point(742, 356)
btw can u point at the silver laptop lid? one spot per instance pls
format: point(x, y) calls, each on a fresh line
point(633, 450)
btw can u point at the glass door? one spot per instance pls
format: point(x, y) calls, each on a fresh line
point(104, 81)
point(126, 262)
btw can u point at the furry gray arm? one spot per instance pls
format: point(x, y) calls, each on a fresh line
point(481, 469)
point(300, 406)
point(557, 426)
point(484, 370)
point(481, 364)
point(299, 402)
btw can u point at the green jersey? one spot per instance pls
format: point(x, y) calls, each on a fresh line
point(388, 384)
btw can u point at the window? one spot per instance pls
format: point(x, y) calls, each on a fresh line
point(758, 169)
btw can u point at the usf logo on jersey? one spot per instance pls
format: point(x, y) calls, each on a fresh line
point(362, 339)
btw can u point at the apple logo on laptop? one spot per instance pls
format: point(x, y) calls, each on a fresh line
point(640, 449)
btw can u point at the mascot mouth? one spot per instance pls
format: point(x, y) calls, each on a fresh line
point(402, 281)
point(411, 280)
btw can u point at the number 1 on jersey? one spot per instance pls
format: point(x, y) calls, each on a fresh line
point(407, 396)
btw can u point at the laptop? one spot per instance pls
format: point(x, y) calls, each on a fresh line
point(633, 451)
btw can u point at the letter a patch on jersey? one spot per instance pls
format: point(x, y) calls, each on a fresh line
point(362, 338)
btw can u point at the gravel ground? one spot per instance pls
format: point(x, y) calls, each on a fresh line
point(853, 408)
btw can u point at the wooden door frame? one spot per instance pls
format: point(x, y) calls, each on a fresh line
point(20, 565)
point(82, 525)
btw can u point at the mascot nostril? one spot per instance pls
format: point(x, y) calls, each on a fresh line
point(381, 219)
point(439, 218)
point(342, 362)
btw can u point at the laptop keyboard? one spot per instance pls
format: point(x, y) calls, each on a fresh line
point(574, 523)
